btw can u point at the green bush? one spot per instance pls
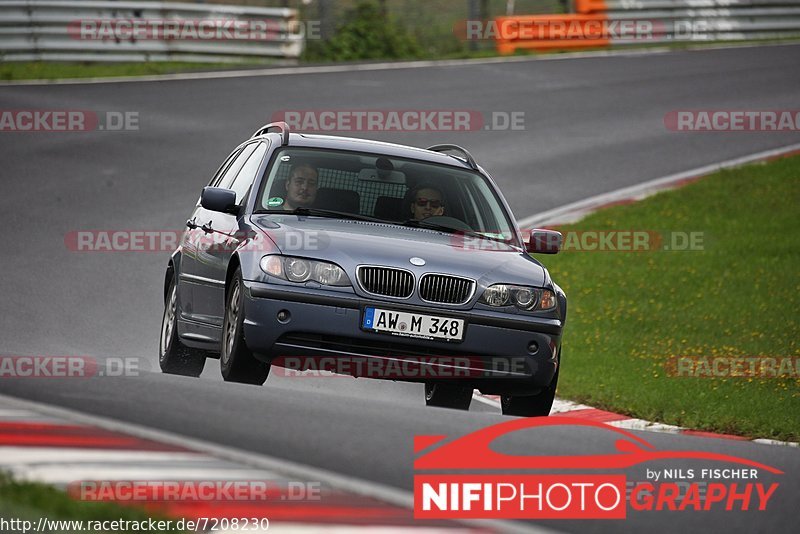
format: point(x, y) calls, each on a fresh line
point(366, 34)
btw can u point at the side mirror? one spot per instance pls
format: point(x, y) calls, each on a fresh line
point(545, 241)
point(219, 199)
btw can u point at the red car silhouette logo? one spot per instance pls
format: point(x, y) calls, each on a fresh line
point(473, 451)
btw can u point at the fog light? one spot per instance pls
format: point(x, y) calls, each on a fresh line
point(533, 347)
point(284, 316)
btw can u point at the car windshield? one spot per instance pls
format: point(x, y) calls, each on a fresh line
point(369, 186)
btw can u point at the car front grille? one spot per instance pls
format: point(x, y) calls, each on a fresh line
point(386, 281)
point(446, 289)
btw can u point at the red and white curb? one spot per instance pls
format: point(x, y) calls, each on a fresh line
point(64, 454)
point(68, 450)
point(578, 210)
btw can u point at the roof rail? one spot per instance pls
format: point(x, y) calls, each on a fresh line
point(284, 128)
point(455, 148)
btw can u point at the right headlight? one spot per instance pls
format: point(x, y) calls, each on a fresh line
point(303, 270)
point(524, 298)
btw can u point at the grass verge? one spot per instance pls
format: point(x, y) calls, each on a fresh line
point(27, 501)
point(43, 70)
point(631, 312)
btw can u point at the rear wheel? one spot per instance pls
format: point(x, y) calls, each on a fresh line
point(173, 357)
point(538, 405)
point(236, 361)
point(448, 396)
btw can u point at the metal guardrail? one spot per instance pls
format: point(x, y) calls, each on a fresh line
point(703, 20)
point(50, 30)
point(601, 23)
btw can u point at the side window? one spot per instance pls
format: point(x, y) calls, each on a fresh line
point(244, 180)
point(233, 169)
point(222, 168)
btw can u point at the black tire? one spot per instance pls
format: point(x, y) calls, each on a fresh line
point(538, 405)
point(173, 357)
point(448, 396)
point(236, 361)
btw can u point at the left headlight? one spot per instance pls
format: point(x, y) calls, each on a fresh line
point(304, 270)
point(524, 298)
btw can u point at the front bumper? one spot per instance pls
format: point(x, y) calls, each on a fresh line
point(495, 355)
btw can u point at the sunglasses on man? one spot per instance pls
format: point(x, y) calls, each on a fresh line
point(435, 204)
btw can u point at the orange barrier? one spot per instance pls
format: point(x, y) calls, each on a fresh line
point(590, 6)
point(601, 23)
point(547, 32)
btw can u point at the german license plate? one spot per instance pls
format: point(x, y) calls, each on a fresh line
point(413, 324)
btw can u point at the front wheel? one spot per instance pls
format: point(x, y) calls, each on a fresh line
point(236, 361)
point(448, 396)
point(538, 405)
point(173, 357)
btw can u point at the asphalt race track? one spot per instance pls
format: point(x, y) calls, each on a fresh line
point(591, 126)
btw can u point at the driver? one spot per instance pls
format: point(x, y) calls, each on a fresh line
point(301, 187)
point(426, 201)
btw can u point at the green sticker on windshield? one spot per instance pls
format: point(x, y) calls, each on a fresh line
point(274, 202)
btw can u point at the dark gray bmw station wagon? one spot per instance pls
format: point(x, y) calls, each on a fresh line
point(315, 252)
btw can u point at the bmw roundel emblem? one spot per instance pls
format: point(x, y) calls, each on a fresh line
point(419, 262)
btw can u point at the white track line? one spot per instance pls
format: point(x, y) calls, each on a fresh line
point(60, 455)
point(389, 65)
point(485, 400)
point(61, 475)
point(576, 210)
point(765, 441)
point(4, 413)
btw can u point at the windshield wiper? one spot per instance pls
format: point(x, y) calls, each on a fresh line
point(414, 223)
point(316, 212)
